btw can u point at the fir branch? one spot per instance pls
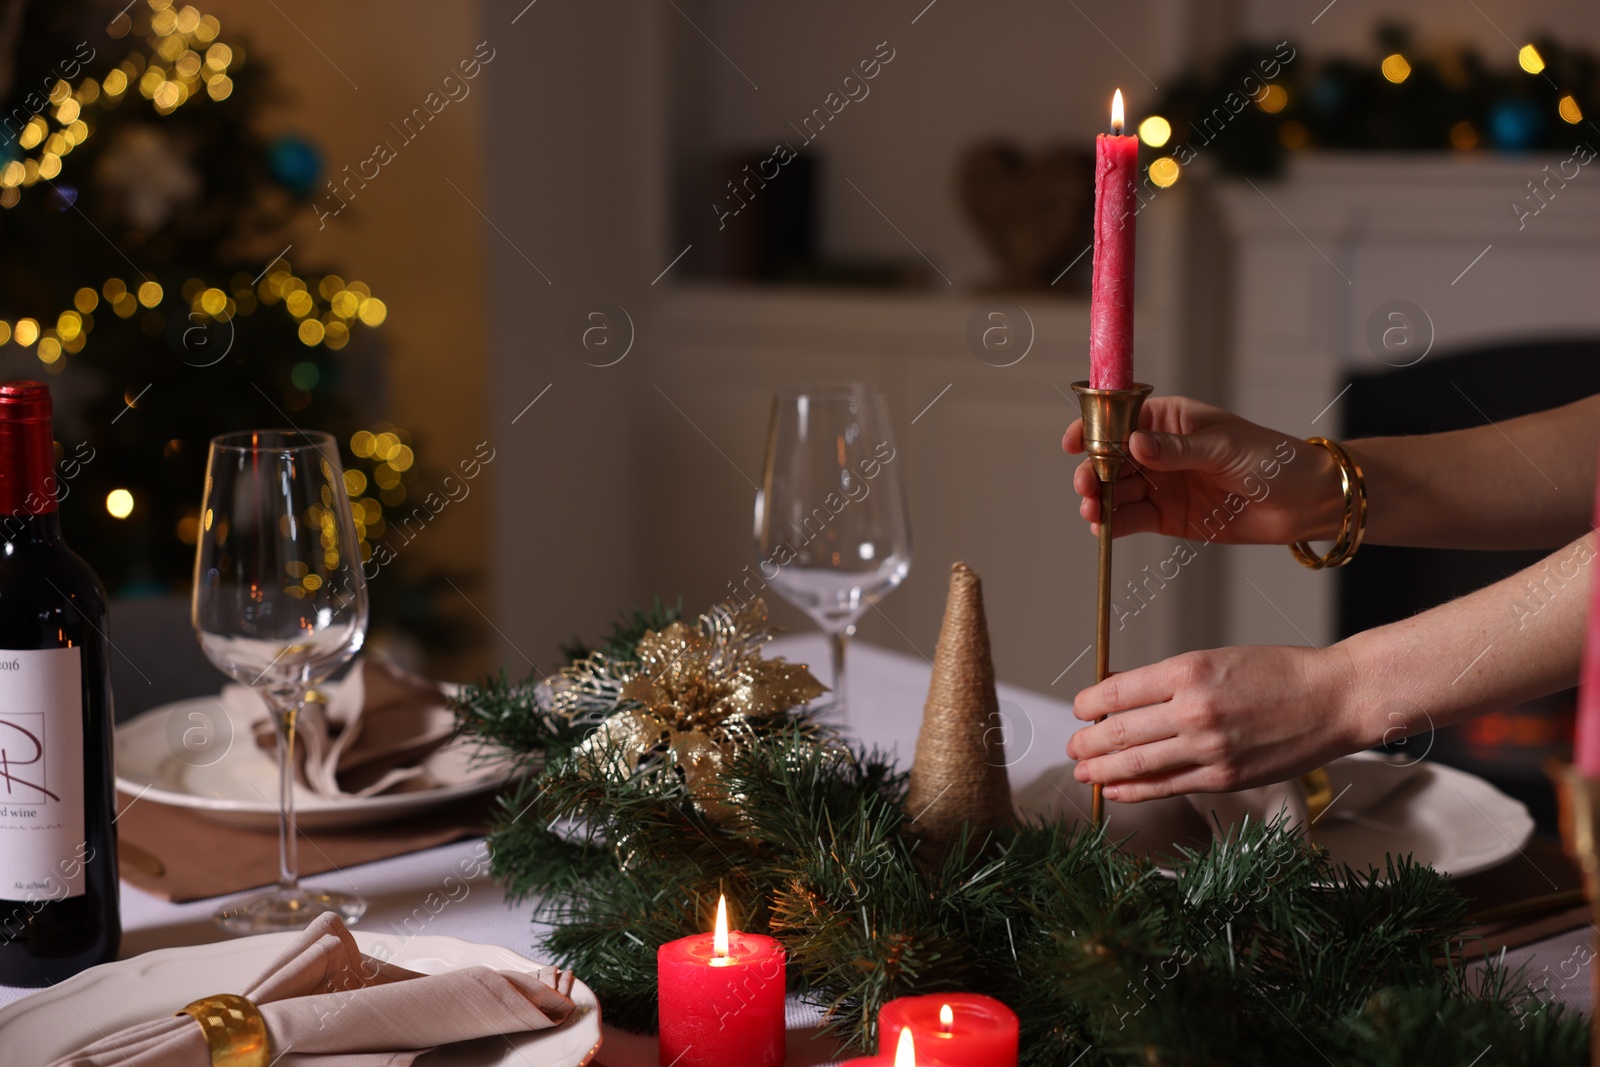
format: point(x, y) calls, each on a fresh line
point(516, 718)
point(1256, 950)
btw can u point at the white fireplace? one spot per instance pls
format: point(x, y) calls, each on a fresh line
point(1349, 263)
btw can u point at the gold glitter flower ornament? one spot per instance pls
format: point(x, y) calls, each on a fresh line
point(695, 694)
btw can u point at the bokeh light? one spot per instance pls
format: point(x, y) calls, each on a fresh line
point(1155, 131)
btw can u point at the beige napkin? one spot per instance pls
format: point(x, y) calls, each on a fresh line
point(327, 1005)
point(1360, 783)
point(382, 730)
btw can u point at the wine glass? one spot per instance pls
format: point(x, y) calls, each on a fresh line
point(832, 531)
point(279, 605)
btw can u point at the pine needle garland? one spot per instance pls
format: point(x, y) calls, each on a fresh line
point(1258, 951)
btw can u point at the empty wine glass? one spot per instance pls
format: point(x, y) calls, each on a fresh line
point(279, 605)
point(832, 532)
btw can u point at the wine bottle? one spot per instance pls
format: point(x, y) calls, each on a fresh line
point(58, 852)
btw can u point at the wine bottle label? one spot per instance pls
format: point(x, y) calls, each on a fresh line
point(42, 840)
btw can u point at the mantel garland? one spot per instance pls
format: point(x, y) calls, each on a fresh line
point(1258, 951)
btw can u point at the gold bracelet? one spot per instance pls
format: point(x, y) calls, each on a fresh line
point(1353, 526)
point(235, 1033)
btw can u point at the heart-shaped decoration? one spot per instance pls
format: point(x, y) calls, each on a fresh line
point(1035, 213)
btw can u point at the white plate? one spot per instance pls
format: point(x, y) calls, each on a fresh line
point(223, 775)
point(53, 1022)
point(1453, 821)
point(1450, 820)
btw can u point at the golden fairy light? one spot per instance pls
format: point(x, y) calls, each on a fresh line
point(1396, 68)
point(1155, 131)
point(178, 55)
point(184, 58)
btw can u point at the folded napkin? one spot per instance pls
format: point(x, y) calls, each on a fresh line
point(382, 730)
point(1356, 785)
point(172, 852)
point(328, 1005)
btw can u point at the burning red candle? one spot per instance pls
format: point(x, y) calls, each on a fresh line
point(1587, 755)
point(956, 1029)
point(722, 997)
point(1116, 168)
point(904, 1055)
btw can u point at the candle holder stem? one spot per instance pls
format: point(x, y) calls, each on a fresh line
point(1102, 629)
point(1578, 807)
point(1109, 418)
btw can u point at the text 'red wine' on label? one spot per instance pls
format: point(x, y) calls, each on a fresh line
point(42, 844)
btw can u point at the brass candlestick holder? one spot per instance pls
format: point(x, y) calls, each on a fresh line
point(1578, 807)
point(1109, 417)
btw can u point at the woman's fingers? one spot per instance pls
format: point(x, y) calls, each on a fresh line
point(1175, 783)
point(1137, 688)
point(1207, 451)
point(1131, 485)
point(1140, 761)
point(1141, 517)
point(1122, 731)
point(1084, 483)
point(1072, 442)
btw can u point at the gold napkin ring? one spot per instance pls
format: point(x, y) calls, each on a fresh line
point(234, 1030)
point(1319, 792)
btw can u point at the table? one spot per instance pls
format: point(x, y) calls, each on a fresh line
point(887, 690)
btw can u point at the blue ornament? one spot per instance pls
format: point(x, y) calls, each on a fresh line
point(295, 162)
point(1515, 124)
point(1327, 94)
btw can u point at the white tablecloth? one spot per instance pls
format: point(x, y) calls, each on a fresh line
point(886, 690)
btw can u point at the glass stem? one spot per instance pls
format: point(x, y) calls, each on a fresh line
point(286, 720)
point(841, 698)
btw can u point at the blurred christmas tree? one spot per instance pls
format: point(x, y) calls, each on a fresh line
point(147, 275)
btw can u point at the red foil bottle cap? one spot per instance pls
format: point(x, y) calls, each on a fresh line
point(27, 450)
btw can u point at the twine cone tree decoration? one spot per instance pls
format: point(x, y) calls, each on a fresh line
point(959, 774)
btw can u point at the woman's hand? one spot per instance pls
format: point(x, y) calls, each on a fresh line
point(1216, 721)
point(1201, 472)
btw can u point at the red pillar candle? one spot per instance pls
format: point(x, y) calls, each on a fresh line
point(1587, 754)
point(1116, 170)
point(722, 998)
point(904, 1055)
point(955, 1029)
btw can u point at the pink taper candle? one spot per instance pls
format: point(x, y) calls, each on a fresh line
point(1587, 755)
point(1116, 169)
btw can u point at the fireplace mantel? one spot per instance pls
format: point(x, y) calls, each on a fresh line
point(1325, 259)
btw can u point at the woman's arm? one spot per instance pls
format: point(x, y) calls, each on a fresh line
point(1524, 483)
point(1232, 718)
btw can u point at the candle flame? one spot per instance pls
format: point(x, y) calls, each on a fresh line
point(905, 1053)
point(1116, 112)
point(947, 1017)
point(719, 935)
